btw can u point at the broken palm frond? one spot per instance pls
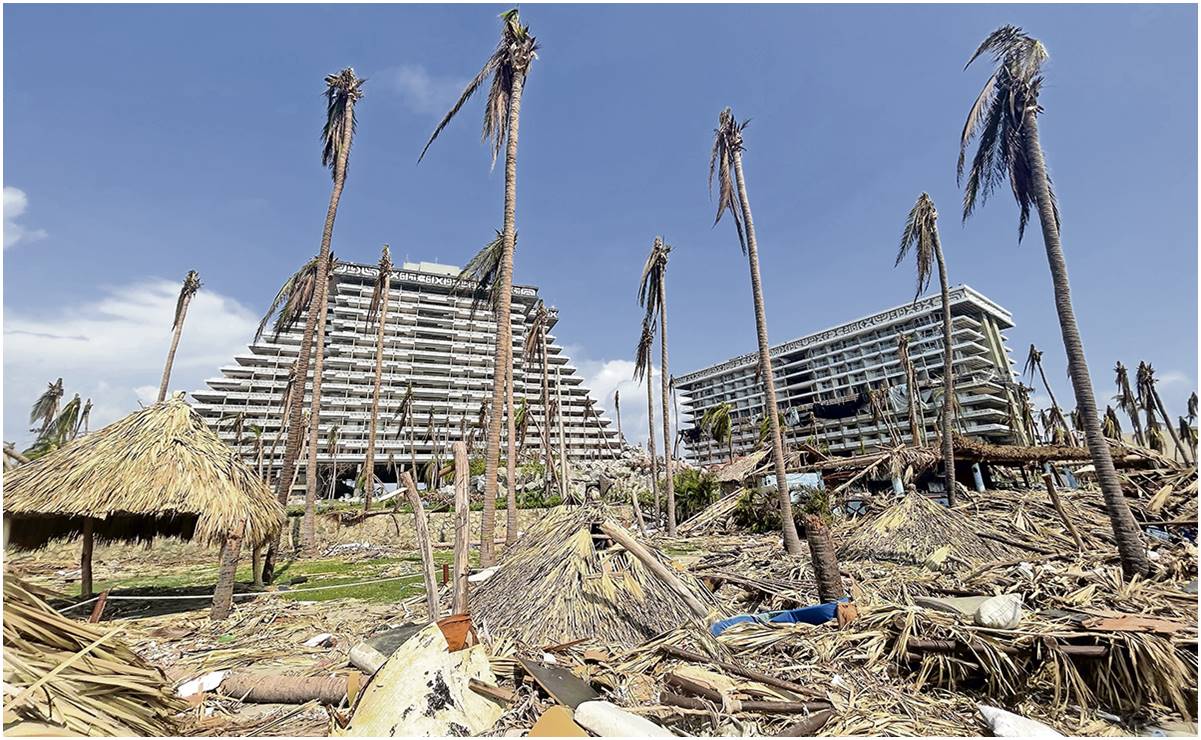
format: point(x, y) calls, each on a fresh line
point(566, 580)
point(158, 472)
point(714, 516)
point(740, 469)
point(919, 531)
point(77, 676)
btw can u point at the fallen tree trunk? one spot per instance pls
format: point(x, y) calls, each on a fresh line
point(270, 688)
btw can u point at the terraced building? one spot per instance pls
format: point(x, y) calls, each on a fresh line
point(825, 381)
point(434, 341)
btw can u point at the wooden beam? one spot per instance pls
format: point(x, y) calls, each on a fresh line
point(462, 530)
point(423, 546)
point(661, 571)
point(85, 558)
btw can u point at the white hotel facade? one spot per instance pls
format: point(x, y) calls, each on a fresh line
point(432, 340)
point(822, 379)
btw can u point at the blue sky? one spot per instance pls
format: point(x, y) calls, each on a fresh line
point(144, 141)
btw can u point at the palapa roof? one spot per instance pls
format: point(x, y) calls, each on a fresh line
point(158, 472)
point(564, 581)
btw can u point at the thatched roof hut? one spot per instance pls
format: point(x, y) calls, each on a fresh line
point(159, 472)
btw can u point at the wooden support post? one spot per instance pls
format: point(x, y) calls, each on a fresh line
point(223, 594)
point(85, 559)
point(661, 571)
point(256, 565)
point(637, 509)
point(423, 546)
point(1063, 515)
point(462, 530)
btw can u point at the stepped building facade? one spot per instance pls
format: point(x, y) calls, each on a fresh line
point(843, 389)
point(435, 343)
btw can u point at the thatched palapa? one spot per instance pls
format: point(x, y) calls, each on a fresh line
point(158, 472)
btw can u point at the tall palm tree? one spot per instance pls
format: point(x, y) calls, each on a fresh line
point(342, 93)
point(1127, 401)
point(191, 284)
point(726, 161)
point(46, 407)
point(1153, 403)
point(377, 311)
point(1004, 118)
point(921, 235)
point(507, 67)
point(1034, 363)
point(535, 346)
point(652, 296)
point(644, 367)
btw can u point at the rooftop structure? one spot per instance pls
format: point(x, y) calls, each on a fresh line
point(824, 380)
point(436, 342)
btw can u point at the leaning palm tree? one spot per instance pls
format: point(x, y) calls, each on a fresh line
point(46, 407)
point(1004, 119)
point(1152, 402)
point(726, 161)
point(921, 235)
point(507, 67)
point(1034, 364)
point(191, 284)
point(342, 93)
point(377, 310)
point(652, 296)
point(644, 367)
point(1127, 401)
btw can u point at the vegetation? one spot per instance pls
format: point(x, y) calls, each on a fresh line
point(695, 489)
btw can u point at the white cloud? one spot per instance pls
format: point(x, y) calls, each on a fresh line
point(603, 377)
point(15, 205)
point(112, 349)
point(423, 93)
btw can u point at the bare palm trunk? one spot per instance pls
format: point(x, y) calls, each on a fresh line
point(665, 378)
point(650, 441)
point(617, 407)
point(1056, 409)
point(369, 462)
point(296, 422)
point(1125, 529)
point(504, 330)
point(309, 535)
point(548, 460)
point(792, 542)
point(1180, 446)
point(948, 377)
point(183, 313)
point(511, 471)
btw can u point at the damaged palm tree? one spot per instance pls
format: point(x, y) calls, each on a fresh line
point(1128, 402)
point(921, 236)
point(917, 434)
point(46, 407)
point(507, 67)
point(377, 311)
point(1151, 401)
point(1034, 364)
point(1004, 120)
point(726, 162)
point(652, 296)
point(191, 284)
point(644, 367)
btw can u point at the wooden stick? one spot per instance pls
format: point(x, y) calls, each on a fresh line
point(462, 533)
point(423, 546)
point(662, 572)
point(736, 705)
point(737, 670)
point(858, 475)
point(1063, 515)
point(85, 558)
point(98, 609)
point(809, 726)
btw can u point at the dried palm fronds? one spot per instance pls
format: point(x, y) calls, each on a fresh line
point(565, 581)
point(77, 676)
point(917, 530)
point(158, 472)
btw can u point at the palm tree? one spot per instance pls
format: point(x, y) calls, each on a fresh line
point(1127, 401)
point(191, 284)
point(377, 310)
point(916, 433)
point(921, 235)
point(58, 432)
point(644, 366)
point(652, 295)
point(81, 427)
point(46, 407)
point(1034, 363)
point(1004, 117)
point(1151, 400)
point(617, 410)
point(716, 423)
point(535, 348)
point(507, 66)
point(1111, 427)
point(342, 92)
point(726, 161)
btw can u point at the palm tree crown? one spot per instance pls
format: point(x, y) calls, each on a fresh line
point(996, 120)
point(342, 91)
point(514, 53)
point(919, 235)
point(727, 141)
point(191, 284)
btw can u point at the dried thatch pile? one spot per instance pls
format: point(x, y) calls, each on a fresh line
point(158, 472)
point(565, 581)
point(917, 530)
point(61, 674)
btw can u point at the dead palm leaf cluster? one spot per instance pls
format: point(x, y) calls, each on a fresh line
point(574, 583)
point(60, 674)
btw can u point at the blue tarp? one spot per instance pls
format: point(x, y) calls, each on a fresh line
point(816, 614)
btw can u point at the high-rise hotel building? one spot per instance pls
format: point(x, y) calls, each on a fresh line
point(434, 341)
point(825, 381)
